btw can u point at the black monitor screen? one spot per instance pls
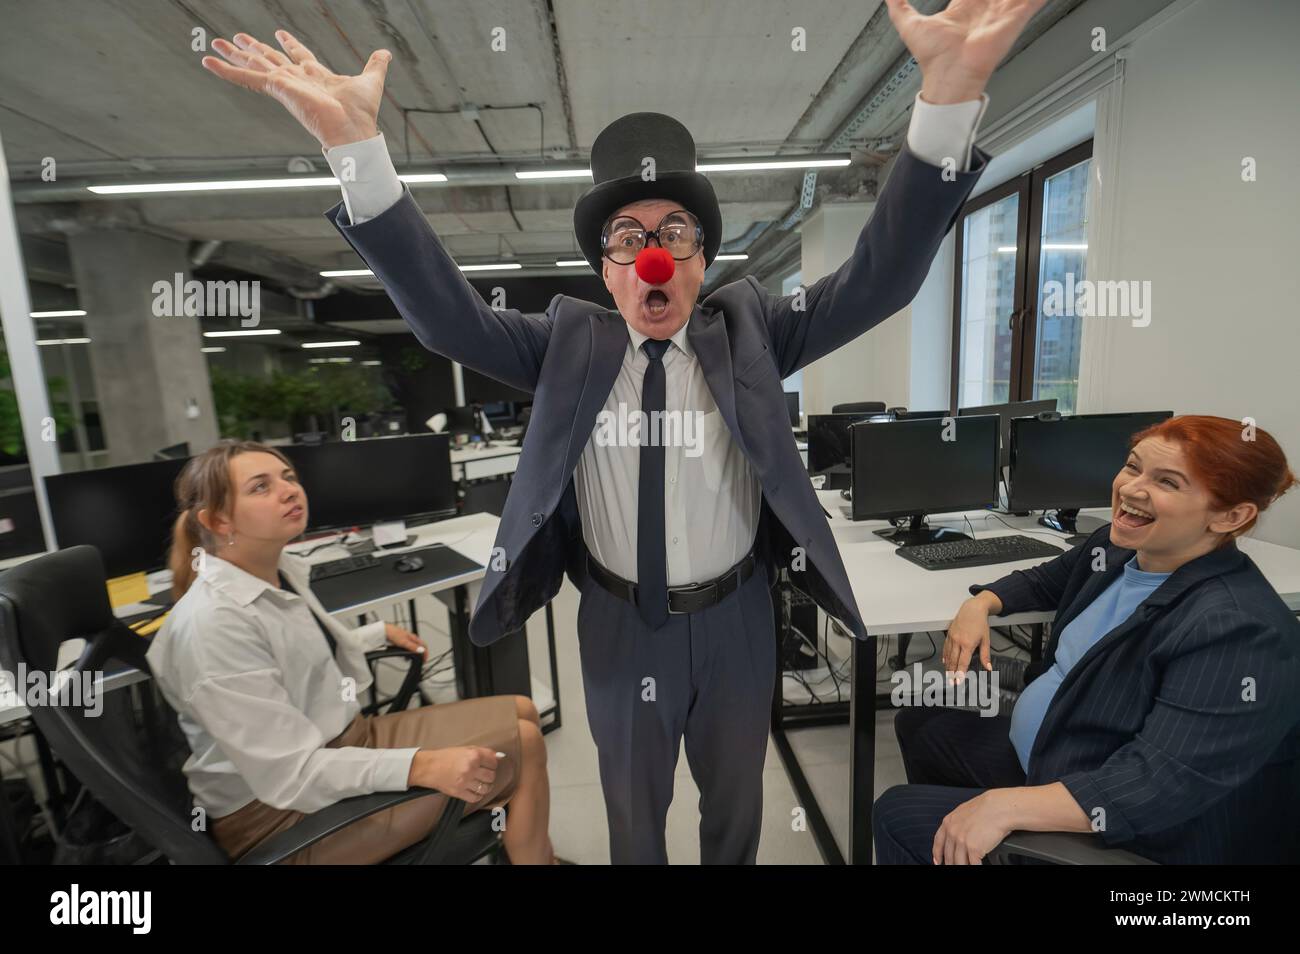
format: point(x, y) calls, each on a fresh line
point(1007, 412)
point(480, 389)
point(901, 468)
point(126, 512)
point(1071, 462)
point(829, 452)
point(792, 407)
point(355, 483)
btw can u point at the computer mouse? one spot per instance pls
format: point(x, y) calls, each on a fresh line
point(408, 564)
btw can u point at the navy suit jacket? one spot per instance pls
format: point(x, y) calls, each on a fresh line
point(746, 340)
point(1182, 724)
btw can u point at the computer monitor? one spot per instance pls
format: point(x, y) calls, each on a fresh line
point(463, 419)
point(179, 451)
point(911, 468)
point(792, 407)
point(903, 413)
point(356, 483)
point(1070, 463)
point(125, 512)
point(830, 453)
point(1007, 412)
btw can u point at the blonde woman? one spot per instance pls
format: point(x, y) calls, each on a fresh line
point(265, 684)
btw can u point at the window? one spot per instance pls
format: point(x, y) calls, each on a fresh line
point(1012, 242)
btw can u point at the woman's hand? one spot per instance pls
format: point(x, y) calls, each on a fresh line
point(971, 830)
point(959, 48)
point(464, 771)
point(404, 639)
point(968, 632)
point(335, 109)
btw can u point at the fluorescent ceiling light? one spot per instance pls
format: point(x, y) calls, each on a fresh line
point(243, 185)
point(213, 350)
point(746, 166)
point(330, 344)
point(553, 174)
point(58, 314)
point(570, 262)
point(739, 165)
point(57, 341)
point(365, 272)
point(738, 257)
point(241, 334)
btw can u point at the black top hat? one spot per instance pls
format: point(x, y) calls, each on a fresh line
point(617, 158)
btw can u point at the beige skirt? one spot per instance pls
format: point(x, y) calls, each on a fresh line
point(491, 721)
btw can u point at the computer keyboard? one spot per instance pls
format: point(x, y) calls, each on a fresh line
point(954, 554)
point(323, 571)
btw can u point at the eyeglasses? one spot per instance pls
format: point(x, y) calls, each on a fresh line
point(679, 233)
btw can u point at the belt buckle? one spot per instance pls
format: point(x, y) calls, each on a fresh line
point(690, 593)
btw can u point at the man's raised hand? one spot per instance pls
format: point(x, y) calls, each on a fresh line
point(959, 48)
point(335, 109)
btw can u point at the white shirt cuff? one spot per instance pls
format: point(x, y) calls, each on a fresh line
point(939, 132)
point(372, 636)
point(392, 769)
point(367, 176)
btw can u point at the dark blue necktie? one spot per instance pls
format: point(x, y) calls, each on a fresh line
point(651, 560)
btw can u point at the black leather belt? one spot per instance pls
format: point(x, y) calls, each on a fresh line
point(681, 599)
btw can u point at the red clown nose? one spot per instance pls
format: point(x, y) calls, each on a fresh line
point(654, 265)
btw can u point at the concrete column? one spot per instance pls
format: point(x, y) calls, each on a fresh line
point(149, 373)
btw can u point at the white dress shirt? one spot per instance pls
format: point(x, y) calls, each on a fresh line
point(249, 673)
point(711, 505)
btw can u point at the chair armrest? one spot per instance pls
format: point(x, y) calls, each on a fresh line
point(312, 828)
point(411, 681)
point(1062, 848)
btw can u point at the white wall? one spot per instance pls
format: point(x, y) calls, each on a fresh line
point(874, 366)
point(1216, 82)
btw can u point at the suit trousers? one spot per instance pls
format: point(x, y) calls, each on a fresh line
point(707, 676)
point(950, 756)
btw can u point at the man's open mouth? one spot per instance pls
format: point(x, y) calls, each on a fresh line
point(1133, 517)
point(656, 302)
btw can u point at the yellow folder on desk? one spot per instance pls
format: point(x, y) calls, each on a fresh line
point(124, 590)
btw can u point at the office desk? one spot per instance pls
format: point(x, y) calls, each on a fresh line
point(894, 597)
point(502, 667)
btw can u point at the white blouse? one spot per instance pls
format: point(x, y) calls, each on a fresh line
point(250, 675)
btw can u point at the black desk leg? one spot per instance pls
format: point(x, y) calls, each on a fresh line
point(10, 853)
point(415, 622)
point(555, 722)
point(862, 749)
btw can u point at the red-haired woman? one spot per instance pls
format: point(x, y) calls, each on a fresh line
point(265, 684)
point(1165, 713)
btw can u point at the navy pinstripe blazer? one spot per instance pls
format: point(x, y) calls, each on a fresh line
point(1178, 732)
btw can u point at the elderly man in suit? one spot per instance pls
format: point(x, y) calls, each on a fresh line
point(674, 539)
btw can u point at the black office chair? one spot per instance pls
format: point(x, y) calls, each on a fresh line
point(63, 595)
point(859, 407)
point(1059, 848)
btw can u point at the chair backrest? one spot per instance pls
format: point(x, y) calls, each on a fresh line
point(859, 407)
point(61, 596)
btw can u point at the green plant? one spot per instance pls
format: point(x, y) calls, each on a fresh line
point(11, 425)
point(246, 403)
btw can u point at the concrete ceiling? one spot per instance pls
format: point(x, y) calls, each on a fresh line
point(114, 92)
